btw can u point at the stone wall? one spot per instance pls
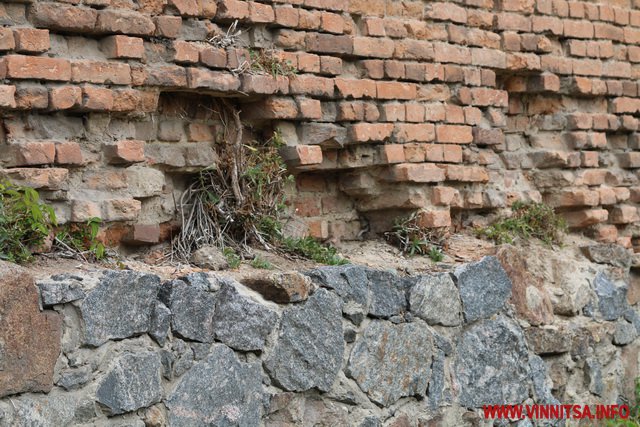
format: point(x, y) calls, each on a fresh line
point(452, 107)
point(345, 345)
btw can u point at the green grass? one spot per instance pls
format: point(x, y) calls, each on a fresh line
point(25, 222)
point(529, 220)
point(309, 248)
point(232, 257)
point(261, 263)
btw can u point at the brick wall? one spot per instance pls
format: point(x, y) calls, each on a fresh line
point(455, 108)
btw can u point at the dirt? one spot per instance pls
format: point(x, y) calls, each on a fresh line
point(459, 248)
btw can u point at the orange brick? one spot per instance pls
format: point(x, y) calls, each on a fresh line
point(414, 153)
point(318, 229)
point(396, 90)
point(365, 132)
point(125, 151)
point(100, 72)
point(61, 17)
point(65, 97)
point(68, 153)
point(7, 96)
point(233, 9)
point(33, 153)
point(31, 40)
point(624, 214)
point(260, 13)
point(123, 47)
point(466, 173)
point(434, 219)
point(36, 67)
point(393, 153)
point(444, 196)
point(451, 153)
point(354, 88)
point(454, 134)
point(97, 98)
point(185, 52)
point(311, 85)
point(332, 23)
point(186, 7)
point(124, 22)
point(286, 16)
point(585, 218)
point(408, 132)
point(416, 172)
point(7, 41)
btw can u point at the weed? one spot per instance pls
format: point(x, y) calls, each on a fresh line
point(634, 417)
point(81, 239)
point(25, 222)
point(267, 61)
point(261, 263)
point(310, 248)
point(435, 254)
point(529, 220)
point(232, 257)
point(413, 239)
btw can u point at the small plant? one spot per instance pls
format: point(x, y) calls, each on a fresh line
point(309, 248)
point(261, 263)
point(232, 257)
point(81, 239)
point(413, 239)
point(25, 222)
point(529, 220)
point(435, 254)
point(634, 416)
point(268, 61)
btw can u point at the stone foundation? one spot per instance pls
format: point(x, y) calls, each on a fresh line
point(345, 345)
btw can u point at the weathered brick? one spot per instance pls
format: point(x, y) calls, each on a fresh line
point(309, 84)
point(96, 98)
point(396, 90)
point(365, 132)
point(434, 218)
point(327, 43)
point(124, 22)
point(466, 173)
point(585, 218)
point(61, 17)
point(408, 132)
point(65, 97)
point(168, 26)
point(123, 47)
point(260, 13)
point(36, 67)
point(31, 97)
point(214, 80)
point(124, 151)
point(47, 178)
point(7, 96)
point(373, 47)
point(33, 153)
point(121, 209)
point(302, 155)
point(272, 108)
point(355, 88)
point(393, 153)
point(444, 196)
point(445, 11)
point(100, 72)
point(68, 153)
point(454, 133)
point(416, 172)
point(624, 214)
point(31, 40)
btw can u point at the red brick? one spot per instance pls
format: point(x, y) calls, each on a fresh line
point(31, 97)
point(65, 97)
point(260, 13)
point(328, 43)
point(355, 88)
point(311, 85)
point(446, 12)
point(31, 40)
point(394, 70)
point(207, 8)
point(513, 22)
point(286, 16)
point(454, 134)
point(124, 22)
point(574, 197)
point(444, 52)
point(61, 17)
point(336, 5)
point(396, 90)
point(213, 57)
point(123, 47)
point(364, 132)
point(578, 29)
point(302, 155)
point(100, 72)
point(97, 98)
point(214, 80)
point(272, 108)
point(332, 23)
point(373, 27)
point(467, 173)
point(68, 153)
point(233, 9)
point(434, 219)
point(444, 196)
point(393, 153)
point(186, 7)
point(451, 153)
point(33, 153)
point(264, 84)
point(36, 67)
point(416, 172)
point(185, 52)
point(409, 132)
point(125, 151)
point(309, 108)
point(144, 234)
point(415, 112)
point(624, 214)
point(629, 160)
point(7, 96)
point(414, 152)
point(330, 65)
point(585, 218)
point(49, 178)
point(547, 24)
point(7, 41)
point(168, 26)
point(373, 47)
point(308, 63)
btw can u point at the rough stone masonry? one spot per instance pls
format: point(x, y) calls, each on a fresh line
point(448, 107)
point(355, 347)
